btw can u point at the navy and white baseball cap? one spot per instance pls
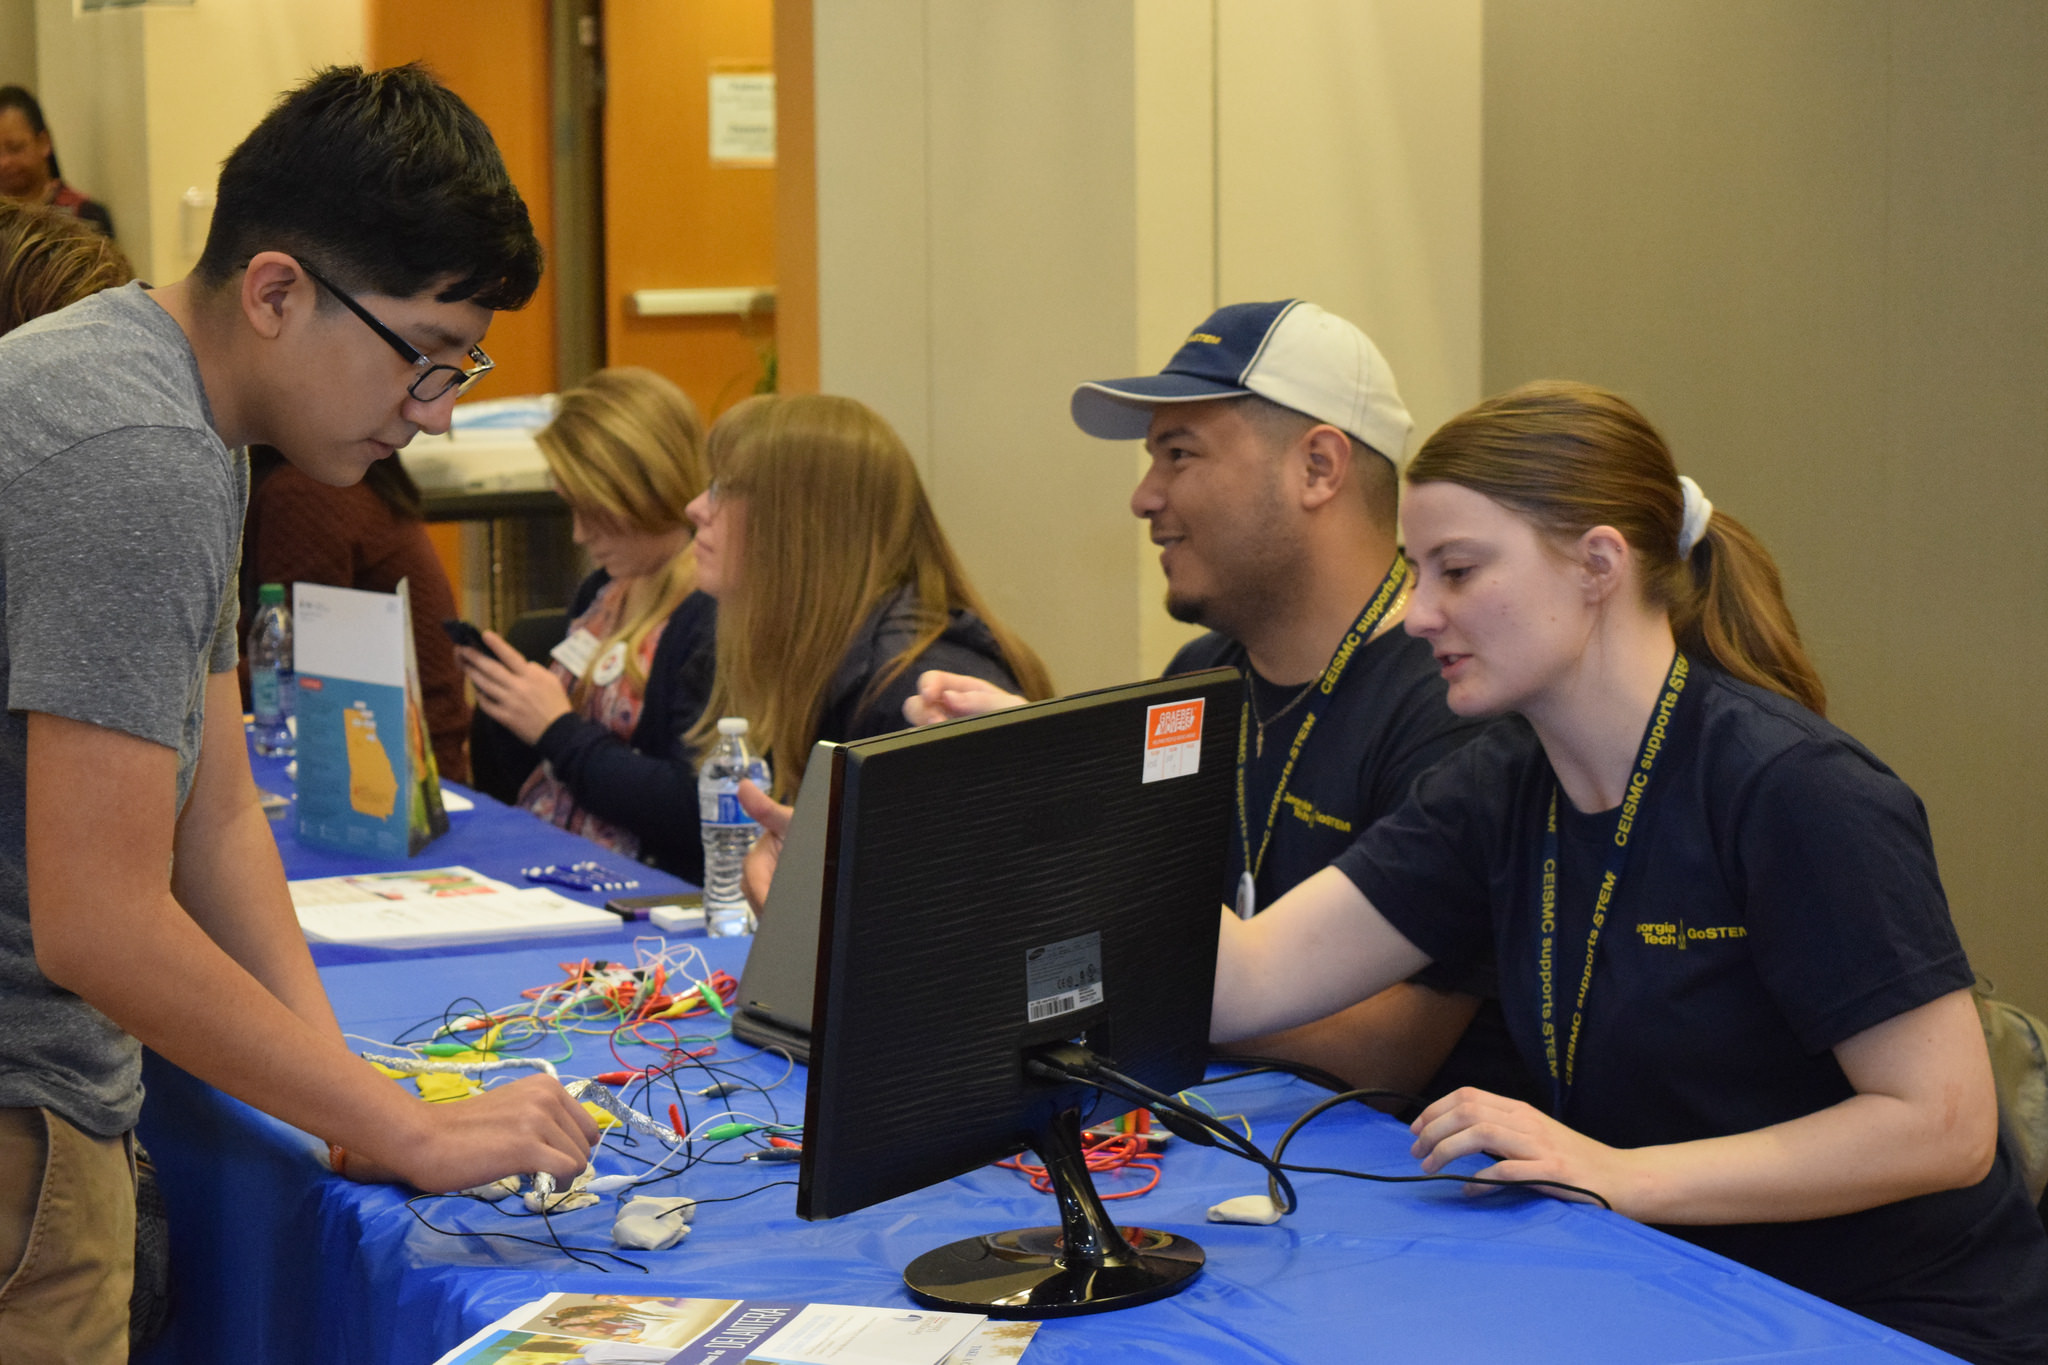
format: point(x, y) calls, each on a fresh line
point(1291, 353)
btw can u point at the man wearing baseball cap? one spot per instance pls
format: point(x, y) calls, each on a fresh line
point(1276, 435)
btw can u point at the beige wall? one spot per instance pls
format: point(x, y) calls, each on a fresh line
point(1349, 172)
point(90, 70)
point(975, 258)
point(1015, 198)
point(1809, 240)
point(18, 43)
point(150, 100)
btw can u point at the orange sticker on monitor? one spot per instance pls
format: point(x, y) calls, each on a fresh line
point(1173, 739)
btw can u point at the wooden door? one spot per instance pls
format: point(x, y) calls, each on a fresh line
point(675, 218)
point(493, 53)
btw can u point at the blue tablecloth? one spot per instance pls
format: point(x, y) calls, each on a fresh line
point(494, 839)
point(277, 1261)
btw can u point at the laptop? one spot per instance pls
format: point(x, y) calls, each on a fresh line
point(780, 980)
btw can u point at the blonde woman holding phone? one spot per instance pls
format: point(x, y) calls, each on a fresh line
point(605, 719)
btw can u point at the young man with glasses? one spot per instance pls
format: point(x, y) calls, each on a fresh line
point(365, 234)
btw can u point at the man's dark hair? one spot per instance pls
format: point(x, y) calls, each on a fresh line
point(383, 181)
point(1371, 472)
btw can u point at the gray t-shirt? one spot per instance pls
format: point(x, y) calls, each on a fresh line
point(120, 522)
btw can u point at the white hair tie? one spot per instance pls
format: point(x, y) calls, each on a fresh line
point(1697, 512)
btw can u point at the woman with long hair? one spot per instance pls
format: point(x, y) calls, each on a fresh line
point(836, 586)
point(606, 717)
point(1724, 952)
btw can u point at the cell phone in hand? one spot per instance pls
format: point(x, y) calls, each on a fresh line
point(465, 635)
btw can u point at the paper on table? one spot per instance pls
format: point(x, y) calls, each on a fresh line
point(537, 913)
point(618, 1328)
point(422, 883)
point(993, 1343)
point(831, 1334)
point(430, 906)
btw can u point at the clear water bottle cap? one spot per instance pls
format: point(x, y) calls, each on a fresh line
point(732, 725)
point(270, 593)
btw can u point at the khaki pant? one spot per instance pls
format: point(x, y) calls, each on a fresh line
point(67, 1242)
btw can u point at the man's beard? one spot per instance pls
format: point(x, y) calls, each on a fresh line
point(1267, 580)
point(1187, 610)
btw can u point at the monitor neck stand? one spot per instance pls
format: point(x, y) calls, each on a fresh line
point(1086, 1265)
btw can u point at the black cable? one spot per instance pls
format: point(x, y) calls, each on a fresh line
point(555, 1241)
point(1593, 1195)
point(1254, 1066)
point(1112, 1083)
point(547, 1221)
point(1400, 1102)
point(731, 1198)
point(1277, 1181)
point(1323, 1106)
point(1278, 1184)
point(446, 1017)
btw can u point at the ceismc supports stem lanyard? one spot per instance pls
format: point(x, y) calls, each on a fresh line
point(1393, 588)
point(1632, 810)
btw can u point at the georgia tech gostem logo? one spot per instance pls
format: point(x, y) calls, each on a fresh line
point(1681, 935)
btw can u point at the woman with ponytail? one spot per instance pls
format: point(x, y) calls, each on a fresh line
point(606, 719)
point(1724, 952)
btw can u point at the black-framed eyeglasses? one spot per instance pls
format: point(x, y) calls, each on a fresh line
point(433, 381)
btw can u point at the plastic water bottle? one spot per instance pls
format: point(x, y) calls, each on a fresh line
point(728, 830)
point(271, 686)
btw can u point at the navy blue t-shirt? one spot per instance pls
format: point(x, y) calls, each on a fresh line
point(1780, 897)
point(1386, 723)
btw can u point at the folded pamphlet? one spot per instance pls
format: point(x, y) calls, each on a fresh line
point(434, 906)
point(639, 1329)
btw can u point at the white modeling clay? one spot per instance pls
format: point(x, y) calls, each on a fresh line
point(652, 1224)
point(1246, 1208)
point(496, 1190)
point(569, 1200)
point(566, 1202)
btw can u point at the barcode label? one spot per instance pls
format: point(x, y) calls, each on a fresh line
point(1060, 978)
point(1064, 1004)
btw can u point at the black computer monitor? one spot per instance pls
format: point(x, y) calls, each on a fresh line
point(994, 892)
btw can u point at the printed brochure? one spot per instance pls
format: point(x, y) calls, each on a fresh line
point(638, 1329)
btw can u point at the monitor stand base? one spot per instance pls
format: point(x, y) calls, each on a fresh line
point(1086, 1265)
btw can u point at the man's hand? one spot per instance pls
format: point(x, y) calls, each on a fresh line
point(762, 858)
point(530, 1125)
point(523, 696)
point(102, 828)
point(951, 696)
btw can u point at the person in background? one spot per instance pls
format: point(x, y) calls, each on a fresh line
point(602, 725)
point(28, 162)
point(51, 260)
point(1725, 955)
point(367, 536)
point(836, 586)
